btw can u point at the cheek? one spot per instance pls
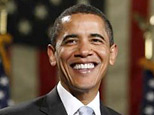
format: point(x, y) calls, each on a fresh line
point(103, 53)
point(63, 56)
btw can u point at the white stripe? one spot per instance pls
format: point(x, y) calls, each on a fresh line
point(116, 87)
point(24, 73)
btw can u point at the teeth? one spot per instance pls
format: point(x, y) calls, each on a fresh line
point(84, 66)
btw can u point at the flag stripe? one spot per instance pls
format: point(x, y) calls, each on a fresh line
point(24, 76)
point(47, 73)
point(139, 7)
point(116, 81)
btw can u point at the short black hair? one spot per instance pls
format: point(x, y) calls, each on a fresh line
point(79, 8)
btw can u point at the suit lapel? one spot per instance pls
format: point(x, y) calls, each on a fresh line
point(104, 110)
point(52, 105)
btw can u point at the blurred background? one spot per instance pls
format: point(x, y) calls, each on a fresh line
point(25, 72)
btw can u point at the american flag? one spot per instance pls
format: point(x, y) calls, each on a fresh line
point(29, 20)
point(148, 93)
point(4, 87)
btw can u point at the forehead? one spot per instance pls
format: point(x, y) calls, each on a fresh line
point(80, 17)
point(82, 22)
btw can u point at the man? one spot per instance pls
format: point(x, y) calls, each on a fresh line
point(82, 47)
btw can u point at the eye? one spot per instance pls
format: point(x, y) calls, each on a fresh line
point(97, 41)
point(70, 42)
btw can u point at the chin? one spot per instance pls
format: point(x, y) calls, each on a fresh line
point(83, 88)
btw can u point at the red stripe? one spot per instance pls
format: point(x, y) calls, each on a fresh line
point(47, 73)
point(136, 52)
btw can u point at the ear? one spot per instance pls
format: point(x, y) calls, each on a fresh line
point(51, 54)
point(113, 54)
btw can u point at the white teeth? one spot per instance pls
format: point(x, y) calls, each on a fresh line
point(84, 66)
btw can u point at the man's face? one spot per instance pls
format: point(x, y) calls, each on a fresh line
point(82, 52)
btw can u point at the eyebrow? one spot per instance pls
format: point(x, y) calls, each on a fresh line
point(97, 35)
point(70, 36)
point(75, 36)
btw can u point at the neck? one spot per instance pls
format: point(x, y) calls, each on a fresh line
point(84, 95)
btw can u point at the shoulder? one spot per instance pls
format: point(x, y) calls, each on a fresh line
point(26, 108)
point(108, 111)
point(112, 112)
point(38, 106)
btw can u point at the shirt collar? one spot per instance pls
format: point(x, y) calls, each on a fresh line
point(95, 104)
point(72, 104)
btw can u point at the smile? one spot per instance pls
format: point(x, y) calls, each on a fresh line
point(83, 66)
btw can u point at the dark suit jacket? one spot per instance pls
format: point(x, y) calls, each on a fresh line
point(49, 104)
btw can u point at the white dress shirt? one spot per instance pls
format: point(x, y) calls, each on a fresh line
point(72, 104)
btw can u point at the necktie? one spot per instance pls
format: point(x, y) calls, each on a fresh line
point(85, 110)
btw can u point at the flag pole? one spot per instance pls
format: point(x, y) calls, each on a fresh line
point(147, 62)
point(5, 38)
point(3, 17)
point(149, 39)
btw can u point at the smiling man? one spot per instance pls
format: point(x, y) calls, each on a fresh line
point(82, 47)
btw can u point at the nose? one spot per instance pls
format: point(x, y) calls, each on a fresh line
point(84, 50)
